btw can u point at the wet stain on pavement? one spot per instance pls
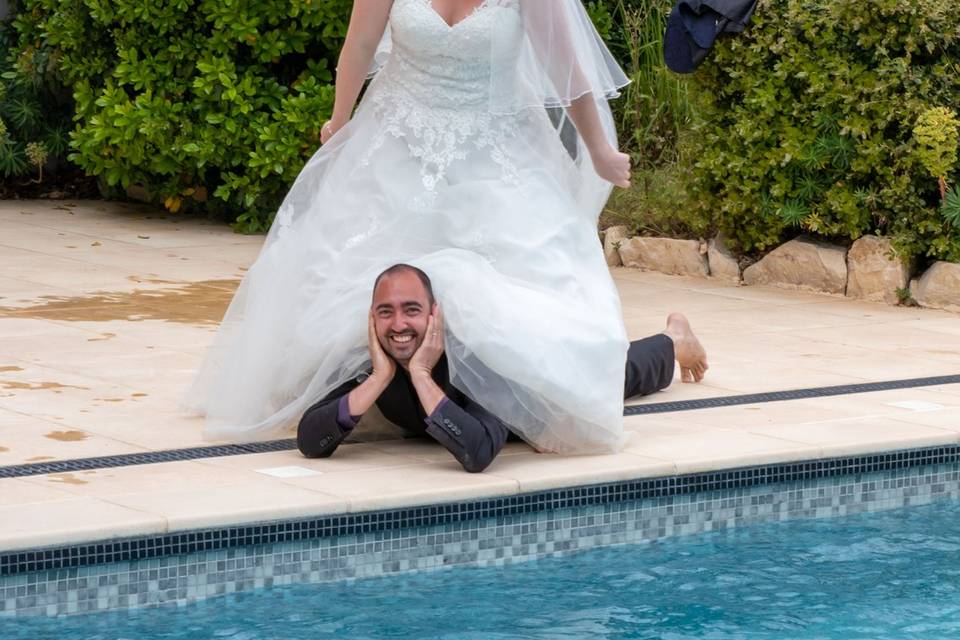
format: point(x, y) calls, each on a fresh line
point(140, 279)
point(201, 303)
point(66, 436)
point(67, 478)
point(10, 368)
point(104, 336)
point(38, 386)
point(4, 449)
point(39, 458)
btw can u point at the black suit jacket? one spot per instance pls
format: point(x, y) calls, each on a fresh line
point(471, 433)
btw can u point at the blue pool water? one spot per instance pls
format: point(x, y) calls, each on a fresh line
point(894, 574)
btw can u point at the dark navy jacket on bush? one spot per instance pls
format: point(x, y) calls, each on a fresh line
point(694, 25)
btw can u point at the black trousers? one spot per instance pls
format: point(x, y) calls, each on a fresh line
point(649, 365)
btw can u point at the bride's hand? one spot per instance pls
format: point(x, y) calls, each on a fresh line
point(327, 130)
point(612, 165)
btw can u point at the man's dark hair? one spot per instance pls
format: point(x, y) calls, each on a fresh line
point(400, 268)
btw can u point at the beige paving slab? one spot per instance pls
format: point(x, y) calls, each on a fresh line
point(113, 272)
point(139, 427)
point(878, 312)
point(733, 376)
point(894, 403)
point(892, 335)
point(73, 212)
point(684, 391)
point(740, 417)
point(694, 448)
point(67, 273)
point(777, 318)
point(842, 437)
point(417, 484)
point(128, 368)
point(148, 243)
point(49, 523)
point(14, 492)
point(758, 293)
point(947, 418)
point(241, 253)
point(426, 450)
point(184, 476)
point(538, 472)
point(118, 221)
point(55, 395)
point(28, 440)
point(242, 502)
point(352, 457)
point(13, 328)
point(24, 293)
point(635, 298)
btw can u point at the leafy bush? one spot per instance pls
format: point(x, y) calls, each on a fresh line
point(657, 119)
point(936, 134)
point(656, 108)
point(35, 110)
point(809, 117)
point(209, 104)
point(658, 203)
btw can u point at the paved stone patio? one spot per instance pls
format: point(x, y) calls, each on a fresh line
point(106, 310)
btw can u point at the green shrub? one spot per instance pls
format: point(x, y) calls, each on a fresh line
point(656, 108)
point(936, 135)
point(660, 201)
point(35, 110)
point(211, 105)
point(657, 118)
point(809, 117)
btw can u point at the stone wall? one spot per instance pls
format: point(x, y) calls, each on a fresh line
point(868, 270)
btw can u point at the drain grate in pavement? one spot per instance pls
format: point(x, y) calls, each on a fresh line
point(197, 453)
point(778, 396)
point(149, 457)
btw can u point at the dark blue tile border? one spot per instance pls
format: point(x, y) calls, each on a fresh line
point(145, 547)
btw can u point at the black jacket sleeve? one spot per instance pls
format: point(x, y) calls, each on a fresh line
point(471, 433)
point(319, 434)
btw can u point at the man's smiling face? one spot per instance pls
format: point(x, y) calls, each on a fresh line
point(401, 309)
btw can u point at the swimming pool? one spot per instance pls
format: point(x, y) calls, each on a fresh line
point(892, 574)
point(339, 561)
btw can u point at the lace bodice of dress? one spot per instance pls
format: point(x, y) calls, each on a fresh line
point(434, 88)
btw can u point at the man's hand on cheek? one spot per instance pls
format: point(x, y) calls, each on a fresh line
point(383, 365)
point(427, 356)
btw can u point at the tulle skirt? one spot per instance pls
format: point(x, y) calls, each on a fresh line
point(507, 233)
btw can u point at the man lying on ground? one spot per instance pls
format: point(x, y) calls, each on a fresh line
point(410, 383)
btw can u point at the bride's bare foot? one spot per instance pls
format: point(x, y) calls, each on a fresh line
point(689, 352)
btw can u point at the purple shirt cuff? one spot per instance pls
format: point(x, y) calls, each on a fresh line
point(344, 419)
point(444, 400)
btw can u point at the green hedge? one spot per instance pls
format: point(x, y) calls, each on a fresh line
point(209, 104)
point(215, 106)
point(809, 124)
point(35, 112)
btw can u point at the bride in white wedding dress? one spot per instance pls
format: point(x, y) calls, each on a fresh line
point(482, 152)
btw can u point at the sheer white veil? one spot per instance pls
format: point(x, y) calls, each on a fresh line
point(558, 58)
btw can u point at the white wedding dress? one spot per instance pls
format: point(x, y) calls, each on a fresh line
point(450, 163)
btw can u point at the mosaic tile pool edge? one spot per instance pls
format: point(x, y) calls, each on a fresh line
point(191, 566)
point(145, 547)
